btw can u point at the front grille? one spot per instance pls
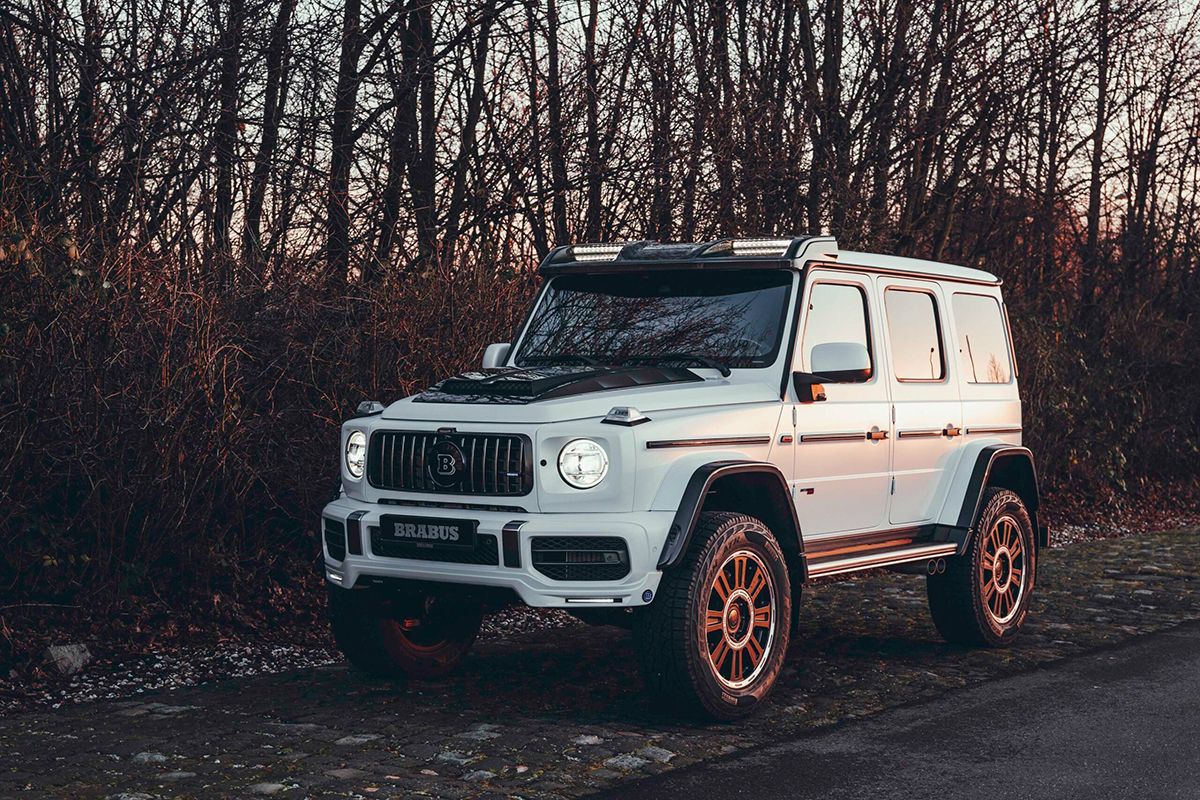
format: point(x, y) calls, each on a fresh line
point(335, 539)
point(486, 551)
point(484, 463)
point(580, 558)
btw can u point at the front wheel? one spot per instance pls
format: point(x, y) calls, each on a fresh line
point(983, 596)
point(421, 636)
point(714, 640)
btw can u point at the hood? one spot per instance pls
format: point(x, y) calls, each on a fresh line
point(558, 395)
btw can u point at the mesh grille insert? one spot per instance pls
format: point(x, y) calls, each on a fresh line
point(580, 558)
point(335, 539)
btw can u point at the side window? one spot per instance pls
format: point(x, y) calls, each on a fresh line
point(837, 312)
point(915, 335)
point(982, 341)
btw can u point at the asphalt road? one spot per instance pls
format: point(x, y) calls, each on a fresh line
point(1120, 723)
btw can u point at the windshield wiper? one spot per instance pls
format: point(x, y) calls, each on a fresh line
point(697, 358)
point(561, 358)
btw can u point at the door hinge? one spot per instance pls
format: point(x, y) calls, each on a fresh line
point(793, 416)
point(893, 485)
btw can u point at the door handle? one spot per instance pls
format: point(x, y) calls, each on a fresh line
point(876, 435)
point(951, 431)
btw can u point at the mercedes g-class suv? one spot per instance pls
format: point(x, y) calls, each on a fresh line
point(680, 437)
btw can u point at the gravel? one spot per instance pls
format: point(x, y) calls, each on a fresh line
point(130, 675)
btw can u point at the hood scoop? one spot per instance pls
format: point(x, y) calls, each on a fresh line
point(520, 385)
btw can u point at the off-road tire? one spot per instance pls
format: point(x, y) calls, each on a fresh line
point(671, 635)
point(962, 599)
point(369, 630)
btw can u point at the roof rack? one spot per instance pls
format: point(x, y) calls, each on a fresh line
point(737, 253)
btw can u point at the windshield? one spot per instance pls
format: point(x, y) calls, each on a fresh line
point(694, 318)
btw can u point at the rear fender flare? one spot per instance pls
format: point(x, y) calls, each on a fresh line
point(1011, 467)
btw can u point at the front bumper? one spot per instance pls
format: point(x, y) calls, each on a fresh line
point(644, 534)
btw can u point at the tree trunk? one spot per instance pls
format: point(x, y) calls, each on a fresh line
point(342, 138)
point(558, 161)
point(274, 100)
point(226, 134)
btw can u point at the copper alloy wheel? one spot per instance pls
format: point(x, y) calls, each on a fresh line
point(739, 622)
point(1003, 573)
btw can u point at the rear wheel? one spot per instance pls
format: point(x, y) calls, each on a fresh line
point(424, 635)
point(983, 597)
point(714, 640)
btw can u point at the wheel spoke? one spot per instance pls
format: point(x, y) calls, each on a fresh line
point(721, 586)
point(719, 654)
point(713, 621)
point(762, 617)
point(739, 572)
point(756, 584)
point(754, 651)
point(737, 671)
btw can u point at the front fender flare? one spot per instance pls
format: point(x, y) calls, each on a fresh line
point(769, 481)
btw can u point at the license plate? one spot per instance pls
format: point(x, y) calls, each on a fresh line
point(428, 532)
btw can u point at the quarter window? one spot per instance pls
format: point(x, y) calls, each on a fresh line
point(837, 312)
point(915, 335)
point(982, 341)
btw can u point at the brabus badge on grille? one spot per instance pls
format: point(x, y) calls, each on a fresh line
point(446, 464)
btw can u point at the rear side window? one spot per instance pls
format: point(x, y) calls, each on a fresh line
point(915, 335)
point(836, 313)
point(982, 339)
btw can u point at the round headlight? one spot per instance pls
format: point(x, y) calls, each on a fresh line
point(582, 463)
point(356, 454)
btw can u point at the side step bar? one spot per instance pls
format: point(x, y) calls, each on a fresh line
point(820, 568)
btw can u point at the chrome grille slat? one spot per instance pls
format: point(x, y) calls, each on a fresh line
point(496, 463)
point(507, 464)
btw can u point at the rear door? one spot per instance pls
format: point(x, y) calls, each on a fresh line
point(926, 405)
point(841, 453)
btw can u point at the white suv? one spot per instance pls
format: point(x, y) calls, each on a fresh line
point(680, 437)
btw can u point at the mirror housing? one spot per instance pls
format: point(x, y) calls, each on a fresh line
point(841, 362)
point(495, 355)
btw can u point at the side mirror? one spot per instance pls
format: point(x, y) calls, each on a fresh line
point(841, 362)
point(495, 355)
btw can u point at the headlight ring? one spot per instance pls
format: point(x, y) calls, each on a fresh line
point(582, 463)
point(356, 454)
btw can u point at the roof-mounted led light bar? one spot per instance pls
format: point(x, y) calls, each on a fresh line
point(597, 252)
point(761, 246)
point(758, 252)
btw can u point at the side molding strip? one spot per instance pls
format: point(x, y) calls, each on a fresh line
point(716, 441)
point(849, 436)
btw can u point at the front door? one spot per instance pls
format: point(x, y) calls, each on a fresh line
point(842, 449)
point(927, 407)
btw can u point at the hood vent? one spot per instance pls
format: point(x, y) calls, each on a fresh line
point(522, 385)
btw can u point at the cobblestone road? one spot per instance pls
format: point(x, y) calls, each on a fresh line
point(560, 713)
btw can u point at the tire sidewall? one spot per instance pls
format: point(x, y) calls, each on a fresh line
point(1002, 503)
point(739, 533)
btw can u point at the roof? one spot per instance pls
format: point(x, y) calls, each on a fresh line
point(742, 253)
point(914, 266)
